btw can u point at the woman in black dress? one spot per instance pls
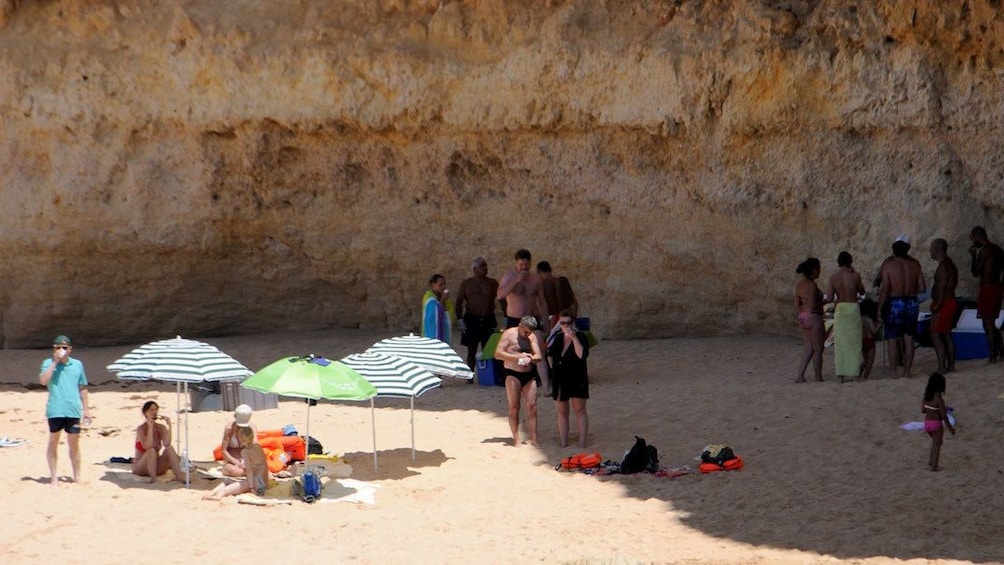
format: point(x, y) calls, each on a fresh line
point(567, 348)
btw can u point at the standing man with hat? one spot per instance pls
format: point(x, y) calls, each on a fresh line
point(64, 377)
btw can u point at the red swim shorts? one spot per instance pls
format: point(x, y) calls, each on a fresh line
point(988, 304)
point(945, 316)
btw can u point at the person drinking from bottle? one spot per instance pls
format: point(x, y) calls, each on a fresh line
point(64, 377)
point(154, 453)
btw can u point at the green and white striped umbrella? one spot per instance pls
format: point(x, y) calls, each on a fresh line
point(426, 352)
point(178, 360)
point(394, 377)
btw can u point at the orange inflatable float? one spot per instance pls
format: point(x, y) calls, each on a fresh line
point(581, 461)
point(730, 465)
point(279, 449)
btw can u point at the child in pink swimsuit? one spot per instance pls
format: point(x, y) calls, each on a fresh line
point(935, 416)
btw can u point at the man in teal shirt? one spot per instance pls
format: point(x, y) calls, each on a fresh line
point(67, 384)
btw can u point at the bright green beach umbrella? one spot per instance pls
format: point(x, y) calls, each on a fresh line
point(314, 378)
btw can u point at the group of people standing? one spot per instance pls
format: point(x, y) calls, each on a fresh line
point(540, 345)
point(901, 285)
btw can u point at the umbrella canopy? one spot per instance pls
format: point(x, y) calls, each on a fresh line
point(311, 377)
point(394, 377)
point(314, 378)
point(181, 361)
point(432, 354)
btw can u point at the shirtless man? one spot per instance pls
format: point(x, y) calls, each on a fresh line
point(902, 280)
point(476, 310)
point(988, 265)
point(943, 305)
point(558, 293)
point(524, 296)
point(845, 286)
point(519, 349)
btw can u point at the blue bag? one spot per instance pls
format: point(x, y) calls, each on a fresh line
point(310, 484)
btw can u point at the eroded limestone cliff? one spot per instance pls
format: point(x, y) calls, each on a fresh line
point(203, 168)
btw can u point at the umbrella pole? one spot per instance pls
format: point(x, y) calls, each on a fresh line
point(373, 424)
point(177, 414)
point(306, 447)
point(412, 429)
point(184, 461)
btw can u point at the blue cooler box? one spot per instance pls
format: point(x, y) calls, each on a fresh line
point(970, 345)
point(970, 340)
point(486, 373)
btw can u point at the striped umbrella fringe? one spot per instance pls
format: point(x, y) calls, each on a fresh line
point(393, 377)
point(426, 352)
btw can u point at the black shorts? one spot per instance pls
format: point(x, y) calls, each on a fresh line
point(70, 425)
point(479, 330)
point(523, 378)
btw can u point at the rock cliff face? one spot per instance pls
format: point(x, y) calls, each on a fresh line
point(176, 167)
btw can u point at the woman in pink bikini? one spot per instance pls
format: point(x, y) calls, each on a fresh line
point(809, 305)
point(935, 416)
point(154, 453)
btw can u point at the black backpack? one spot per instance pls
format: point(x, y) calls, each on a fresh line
point(641, 457)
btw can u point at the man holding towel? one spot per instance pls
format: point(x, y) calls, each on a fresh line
point(845, 287)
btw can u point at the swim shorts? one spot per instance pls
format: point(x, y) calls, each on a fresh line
point(988, 304)
point(523, 378)
point(70, 425)
point(944, 318)
point(901, 317)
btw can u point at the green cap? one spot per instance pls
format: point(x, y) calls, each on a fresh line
point(60, 340)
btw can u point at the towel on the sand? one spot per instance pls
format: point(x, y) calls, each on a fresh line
point(334, 490)
point(847, 339)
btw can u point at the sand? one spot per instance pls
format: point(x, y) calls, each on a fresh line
point(829, 477)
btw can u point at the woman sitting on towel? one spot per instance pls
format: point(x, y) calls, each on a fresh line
point(809, 305)
point(233, 465)
point(254, 465)
point(151, 437)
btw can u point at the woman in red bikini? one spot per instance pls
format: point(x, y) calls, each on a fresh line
point(154, 453)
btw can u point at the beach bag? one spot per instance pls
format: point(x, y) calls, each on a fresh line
point(314, 447)
point(717, 453)
point(641, 457)
point(308, 485)
point(580, 461)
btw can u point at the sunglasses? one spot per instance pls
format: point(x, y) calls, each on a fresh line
point(565, 322)
point(60, 346)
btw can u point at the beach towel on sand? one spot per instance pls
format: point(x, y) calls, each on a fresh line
point(847, 338)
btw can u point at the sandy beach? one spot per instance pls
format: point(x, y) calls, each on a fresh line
point(829, 478)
